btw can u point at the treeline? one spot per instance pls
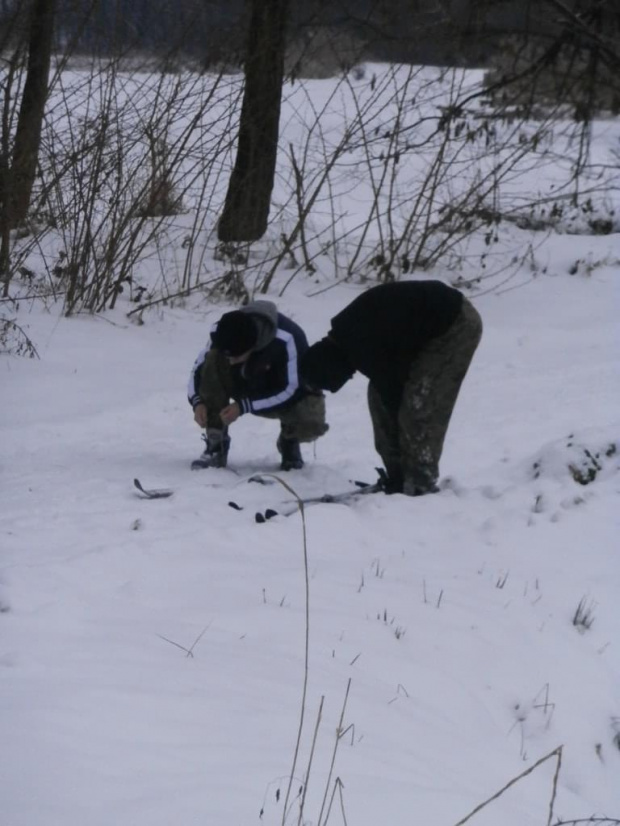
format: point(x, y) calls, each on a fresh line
point(192, 28)
point(213, 32)
point(97, 165)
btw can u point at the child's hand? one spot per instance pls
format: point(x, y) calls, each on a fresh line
point(230, 413)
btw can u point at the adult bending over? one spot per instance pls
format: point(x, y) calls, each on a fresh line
point(414, 340)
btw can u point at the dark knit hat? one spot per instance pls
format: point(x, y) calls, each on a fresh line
point(325, 365)
point(235, 334)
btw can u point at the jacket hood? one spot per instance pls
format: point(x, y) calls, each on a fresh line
point(265, 315)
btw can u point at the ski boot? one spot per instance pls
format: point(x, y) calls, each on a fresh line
point(391, 480)
point(215, 454)
point(420, 482)
point(391, 477)
point(290, 452)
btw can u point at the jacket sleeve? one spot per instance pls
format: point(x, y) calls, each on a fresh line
point(378, 363)
point(282, 365)
point(193, 384)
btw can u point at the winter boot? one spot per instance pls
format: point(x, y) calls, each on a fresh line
point(290, 453)
point(215, 454)
point(419, 483)
point(391, 478)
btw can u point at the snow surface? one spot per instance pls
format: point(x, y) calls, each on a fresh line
point(152, 652)
point(451, 615)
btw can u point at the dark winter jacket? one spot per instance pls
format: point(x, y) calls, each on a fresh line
point(269, 380)
point(383, 329)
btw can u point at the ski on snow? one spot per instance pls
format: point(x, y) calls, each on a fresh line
point(164, 493)
point(287, 508)
point(152, 493)
point(291, 507)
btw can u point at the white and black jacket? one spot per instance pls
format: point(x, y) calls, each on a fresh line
point(269, 380)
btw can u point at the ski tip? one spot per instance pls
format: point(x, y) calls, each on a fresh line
point(156, 493)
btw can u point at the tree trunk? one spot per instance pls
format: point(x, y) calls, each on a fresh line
point(246, 209)
point(28, 133)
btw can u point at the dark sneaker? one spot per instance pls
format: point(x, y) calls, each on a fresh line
point(291, 454)
point(215, 454)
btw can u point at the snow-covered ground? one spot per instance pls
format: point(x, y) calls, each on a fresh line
point(451, 615)
point(153, 653)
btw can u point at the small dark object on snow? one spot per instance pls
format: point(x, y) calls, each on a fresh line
point(263, 517)
point(235, 506)
point(261, 480)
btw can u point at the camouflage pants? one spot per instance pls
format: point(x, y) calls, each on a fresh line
point(304, 421)
point(410, 440)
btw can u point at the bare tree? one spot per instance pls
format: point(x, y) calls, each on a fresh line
point(246, 209)
point(23, 167)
